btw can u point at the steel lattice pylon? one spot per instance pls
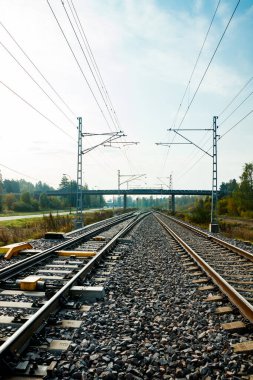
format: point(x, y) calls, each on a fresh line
point(214, 221)
point(79, 198)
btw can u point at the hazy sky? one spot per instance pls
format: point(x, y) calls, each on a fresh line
point(145, 51)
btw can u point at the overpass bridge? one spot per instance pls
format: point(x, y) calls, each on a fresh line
point(126, 192)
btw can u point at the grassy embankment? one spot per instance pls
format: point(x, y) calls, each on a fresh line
point(237, 228)
point(34, 228)
point(232, 227)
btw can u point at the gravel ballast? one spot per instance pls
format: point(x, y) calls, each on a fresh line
point(153, 323)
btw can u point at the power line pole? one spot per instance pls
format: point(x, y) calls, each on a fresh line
point(79, 201)
point(108, 137)
point(170, 197)
point(213, 226)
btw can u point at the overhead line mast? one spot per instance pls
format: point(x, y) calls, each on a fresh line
point(214, 227)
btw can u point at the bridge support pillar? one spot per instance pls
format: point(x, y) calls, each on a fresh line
point(125, 201)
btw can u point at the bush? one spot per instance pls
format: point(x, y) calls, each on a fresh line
point(22, 206)
point(247, 214)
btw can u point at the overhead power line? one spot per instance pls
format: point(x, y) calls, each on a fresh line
point(239, 92)
point(205, 72)
point(78, 64)
point(191, 76)
point(235, 125)
point(34, 80)
point(93, 61)
point(209, 64)
point(36, 110)
point(231, 113)
point(229, 130)
point(37, 69)
point(17, 172)
point(89, 65)
point(236, 96)
point(195, 65)
point(93, 66)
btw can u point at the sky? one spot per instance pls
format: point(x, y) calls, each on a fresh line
point(146, 51)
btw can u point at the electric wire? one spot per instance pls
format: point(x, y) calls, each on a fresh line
point(189, 81)
point(38, 70)
point(17, 172)
point(34, 80)
point(229, 130)
point(220, 124)
point(204, 74)
point(229, 104)
point(92, 58)
point(207, 68)
point(36, 110)
point(236, 108)
point(99, 76)
point(80, 68)
point(88, 63)
point(115, 120)
point(235, 125)
point(196, 63)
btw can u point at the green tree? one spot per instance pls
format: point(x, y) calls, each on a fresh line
point(9, 200)
point(65, 183)
point(201, 212)
point(11, 186)
point(228, 188)
point(26, 198)
point(44, 202)
point(245, 192)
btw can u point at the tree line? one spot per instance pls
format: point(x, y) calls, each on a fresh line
point(23, 196)
point(235, 199)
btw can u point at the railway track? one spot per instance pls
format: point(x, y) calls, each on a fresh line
point(229, 267)
point(34, 289)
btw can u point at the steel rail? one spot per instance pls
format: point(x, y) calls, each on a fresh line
point(89, 226)
point(207, 235)
point(15, 268)
point(245, 308)
point(20, 339)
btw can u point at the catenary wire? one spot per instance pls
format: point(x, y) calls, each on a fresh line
point(231, 113)
point(229, 104)
point(96, 69)
point(17, 172)
point(34, 80)
point(92, 59)
point(220, 124)
point(204, 74)
point(38, 70)
point(89, 65)
point(189, 81)
point(196, 63)
point(80, 68)
point(36, 110)
point(235, 125)
point(209, 64)
point(203, 155)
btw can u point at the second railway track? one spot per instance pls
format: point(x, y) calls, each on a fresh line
point(37, 287)
point(229, 267)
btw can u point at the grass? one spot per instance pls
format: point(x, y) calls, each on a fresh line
point(14, 213)
point(232, 227)
point(237, 228)
point(18, 230)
